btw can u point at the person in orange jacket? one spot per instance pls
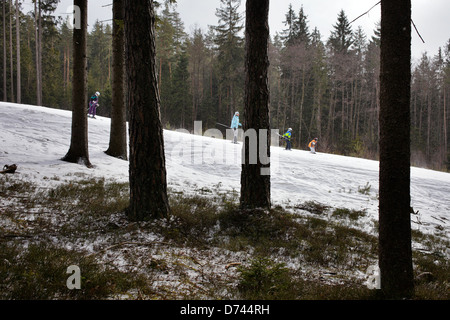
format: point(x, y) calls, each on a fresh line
point(312, 145)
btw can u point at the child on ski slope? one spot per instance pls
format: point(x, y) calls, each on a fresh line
point(312, 145)
point(288, 136)
point(234, 125)
point(93, 104)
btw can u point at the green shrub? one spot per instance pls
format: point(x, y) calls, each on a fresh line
point(265, 279)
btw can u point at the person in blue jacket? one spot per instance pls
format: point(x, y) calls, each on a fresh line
point(288, 136)
point(234, 125)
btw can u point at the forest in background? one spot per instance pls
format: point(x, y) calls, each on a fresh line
point(320, 88)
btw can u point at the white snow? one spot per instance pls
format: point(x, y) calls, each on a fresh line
point(36, 138)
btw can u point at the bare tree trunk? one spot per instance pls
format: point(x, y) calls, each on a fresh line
point(331, 112)
point(68, 63)
point(445, 122)
point(255, 178)
point(5, 92)
point(148, 181)
point(38, 26)
point(317, 104)
point(19, 82)
point(118, 135)
point(429, 110)
point(78, 151)
point(395, 253)
point(65, 69)
point(302, 101)
point(11, 54)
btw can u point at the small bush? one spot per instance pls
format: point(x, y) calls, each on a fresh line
point(192, 220)
point(265, 279)
point(313, 207)
point(365, 190)
point(352, 214)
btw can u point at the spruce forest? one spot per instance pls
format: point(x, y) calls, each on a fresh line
point(325, 88)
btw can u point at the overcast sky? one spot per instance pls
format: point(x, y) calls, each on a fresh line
point(431, 17)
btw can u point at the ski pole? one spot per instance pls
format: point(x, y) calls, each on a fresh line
point(220, 124)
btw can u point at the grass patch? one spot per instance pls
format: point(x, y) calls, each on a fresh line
point(191, 221)
point(39, 272)
point(351, 214)
point(313, 207)
point(432, 267)
point(93, 197)
point(264, 279)
point(268, 232)
point(280, 254)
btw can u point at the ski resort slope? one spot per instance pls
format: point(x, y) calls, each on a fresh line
point(36, 138)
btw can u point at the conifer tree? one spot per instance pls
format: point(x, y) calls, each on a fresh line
point(78, 151)
point(230, 55)
point(179, 111)
point(118, 135)
point(395, 252)
point(341, 37)
point(255, 177)
point(148, 181)
point(289, 35)
point(303, 35)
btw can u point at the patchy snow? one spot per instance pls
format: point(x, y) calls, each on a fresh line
point(36, 138)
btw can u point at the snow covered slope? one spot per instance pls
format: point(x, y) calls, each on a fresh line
point(36, 138)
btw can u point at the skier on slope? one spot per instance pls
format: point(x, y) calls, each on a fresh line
point(288, 136)
point(234, 125)
point(93, 104)
point(312, 145)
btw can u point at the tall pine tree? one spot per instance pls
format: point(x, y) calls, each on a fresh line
point(230, 55)
point(78, 151)
point(118, 135)
point(395, 252)
point(255, 176)
point(341, 37)
point(148, 180)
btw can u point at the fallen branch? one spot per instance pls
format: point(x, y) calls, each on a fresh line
point(126, 243)
point(13, 235)
point(233, 264)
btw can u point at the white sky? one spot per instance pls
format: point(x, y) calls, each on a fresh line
point(431, 17)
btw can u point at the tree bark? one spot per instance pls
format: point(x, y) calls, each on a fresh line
point(395, 254)
point(38, 24)
point(5, 92)
point(11, 53)
point(118, 135)
point(148, 185)
point(19, 82)
point(78, 151)
point(255, 177)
